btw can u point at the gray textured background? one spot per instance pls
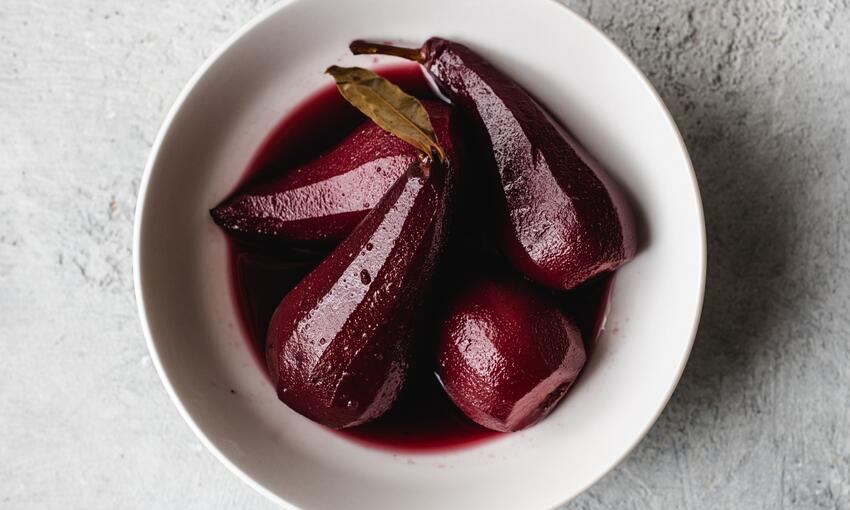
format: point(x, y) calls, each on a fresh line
point(761, 92)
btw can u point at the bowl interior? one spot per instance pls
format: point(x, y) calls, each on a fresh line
point(190, 318)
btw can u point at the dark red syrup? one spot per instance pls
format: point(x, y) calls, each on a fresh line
point(424, 419)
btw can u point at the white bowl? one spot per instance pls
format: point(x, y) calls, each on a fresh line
point(189, 318)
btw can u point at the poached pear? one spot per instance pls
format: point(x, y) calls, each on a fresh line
point(507, 353)
point(323, 200)
point(339, 343)
point(561, 220)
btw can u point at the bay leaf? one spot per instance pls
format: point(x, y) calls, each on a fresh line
point(388, 106)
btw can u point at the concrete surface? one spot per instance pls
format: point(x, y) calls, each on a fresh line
point(761, 91)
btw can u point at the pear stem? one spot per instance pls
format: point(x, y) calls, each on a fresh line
point(423, 165)
point(361, 47)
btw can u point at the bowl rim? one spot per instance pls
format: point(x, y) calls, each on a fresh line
point(163, 132)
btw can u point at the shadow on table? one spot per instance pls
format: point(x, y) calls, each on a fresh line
point(742, 164)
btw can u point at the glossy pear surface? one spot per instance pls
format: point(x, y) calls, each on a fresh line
point(323, 200)
point(561, 221)
point(339, 344)
point(507, 353)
